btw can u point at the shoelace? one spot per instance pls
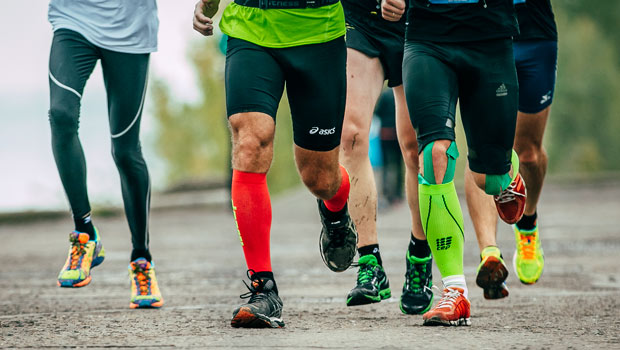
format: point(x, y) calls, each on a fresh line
point(448, 299)
point(527, 246)
point(509, 194)
point(365, 273)
point(255, 288)
point(142, 275)
point(337, 234)
point(78, 250)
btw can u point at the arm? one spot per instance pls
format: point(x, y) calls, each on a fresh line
point(392, 10)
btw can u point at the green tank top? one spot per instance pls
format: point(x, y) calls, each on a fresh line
point(283, 28)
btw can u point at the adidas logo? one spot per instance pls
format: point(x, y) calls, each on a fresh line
point(501, 91)
point(444, 243)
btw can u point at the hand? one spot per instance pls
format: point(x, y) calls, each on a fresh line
point(202, 23)
point(392, 10)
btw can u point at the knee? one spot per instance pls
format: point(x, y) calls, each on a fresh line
point(126, 157)
point(323, 184)
point(354, 140)
point(249, 146)
point(63, 119)
point(439, 168)
point(252, 140)
point(409, 150)
point(530, 154)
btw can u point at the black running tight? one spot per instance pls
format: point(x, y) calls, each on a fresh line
point(72, 60)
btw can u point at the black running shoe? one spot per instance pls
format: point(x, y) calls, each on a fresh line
point(372, 283)
point(417, 296)
point(338, 241)
point(264, 308)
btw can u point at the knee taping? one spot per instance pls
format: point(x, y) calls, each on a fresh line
point(428, 177)
point(496, 184)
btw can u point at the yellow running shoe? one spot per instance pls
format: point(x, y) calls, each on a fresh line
point(492, 273)
point(144, 289)
point(84, 254)
point(529, 259)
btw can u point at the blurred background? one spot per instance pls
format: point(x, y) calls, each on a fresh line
point(184, 133)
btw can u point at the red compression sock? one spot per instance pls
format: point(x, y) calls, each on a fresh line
point(338, 201)
point(252, 208)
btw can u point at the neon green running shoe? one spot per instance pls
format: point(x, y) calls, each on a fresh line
point(372, 283)
point(528, 260)
point(492, 273)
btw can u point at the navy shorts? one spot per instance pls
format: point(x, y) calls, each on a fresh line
point(536, 62)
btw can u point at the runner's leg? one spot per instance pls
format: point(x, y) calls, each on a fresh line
point(364, 83)
point(72, 60)
point(254, 85)
point(125, 77)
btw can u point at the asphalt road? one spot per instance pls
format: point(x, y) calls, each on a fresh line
point(575, 305)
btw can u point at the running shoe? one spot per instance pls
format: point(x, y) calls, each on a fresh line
point(144, 289)
point(492, 273)
point(511, 202)
point(84, 254)
point(453, 309)
point(529, 258)
point(338, 241)
point(417, 296)
point(372, 283)
point(263, 310)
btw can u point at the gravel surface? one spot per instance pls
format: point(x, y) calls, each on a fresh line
point(200, 267)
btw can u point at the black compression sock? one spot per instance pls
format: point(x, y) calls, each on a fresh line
point(331, 215)
point(527, 222)
point(141, 253)
point(419, 248)
point(85, 225)
point(267, 275)
point(371, 249)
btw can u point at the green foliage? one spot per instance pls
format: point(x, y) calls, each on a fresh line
point(581, 136)
point(193, 138)
point(283, 173)
point(585, 116)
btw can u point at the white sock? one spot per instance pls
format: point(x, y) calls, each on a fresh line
point(455, 281)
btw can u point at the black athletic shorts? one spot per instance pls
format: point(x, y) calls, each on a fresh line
point(316, 84)
point(375, 37)
point(481, 76)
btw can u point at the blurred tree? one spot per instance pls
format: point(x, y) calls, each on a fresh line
point(585, 116)
point(581, 137)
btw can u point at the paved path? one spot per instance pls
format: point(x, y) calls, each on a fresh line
point(200, 265)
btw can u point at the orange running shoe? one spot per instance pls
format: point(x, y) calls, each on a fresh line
point(84, 254)
point(492, 273)
point(144, 289)
point(453, 309)
point(511, 202)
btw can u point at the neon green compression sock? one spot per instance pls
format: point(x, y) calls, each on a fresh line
point(442, 220)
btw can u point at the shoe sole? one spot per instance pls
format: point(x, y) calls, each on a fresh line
point(246, 319)
point(428, 307)
point(437, 321)
point(491, 277)
point(330, 264)
point(71, 284)
point(155, 305)
point(363, 299)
